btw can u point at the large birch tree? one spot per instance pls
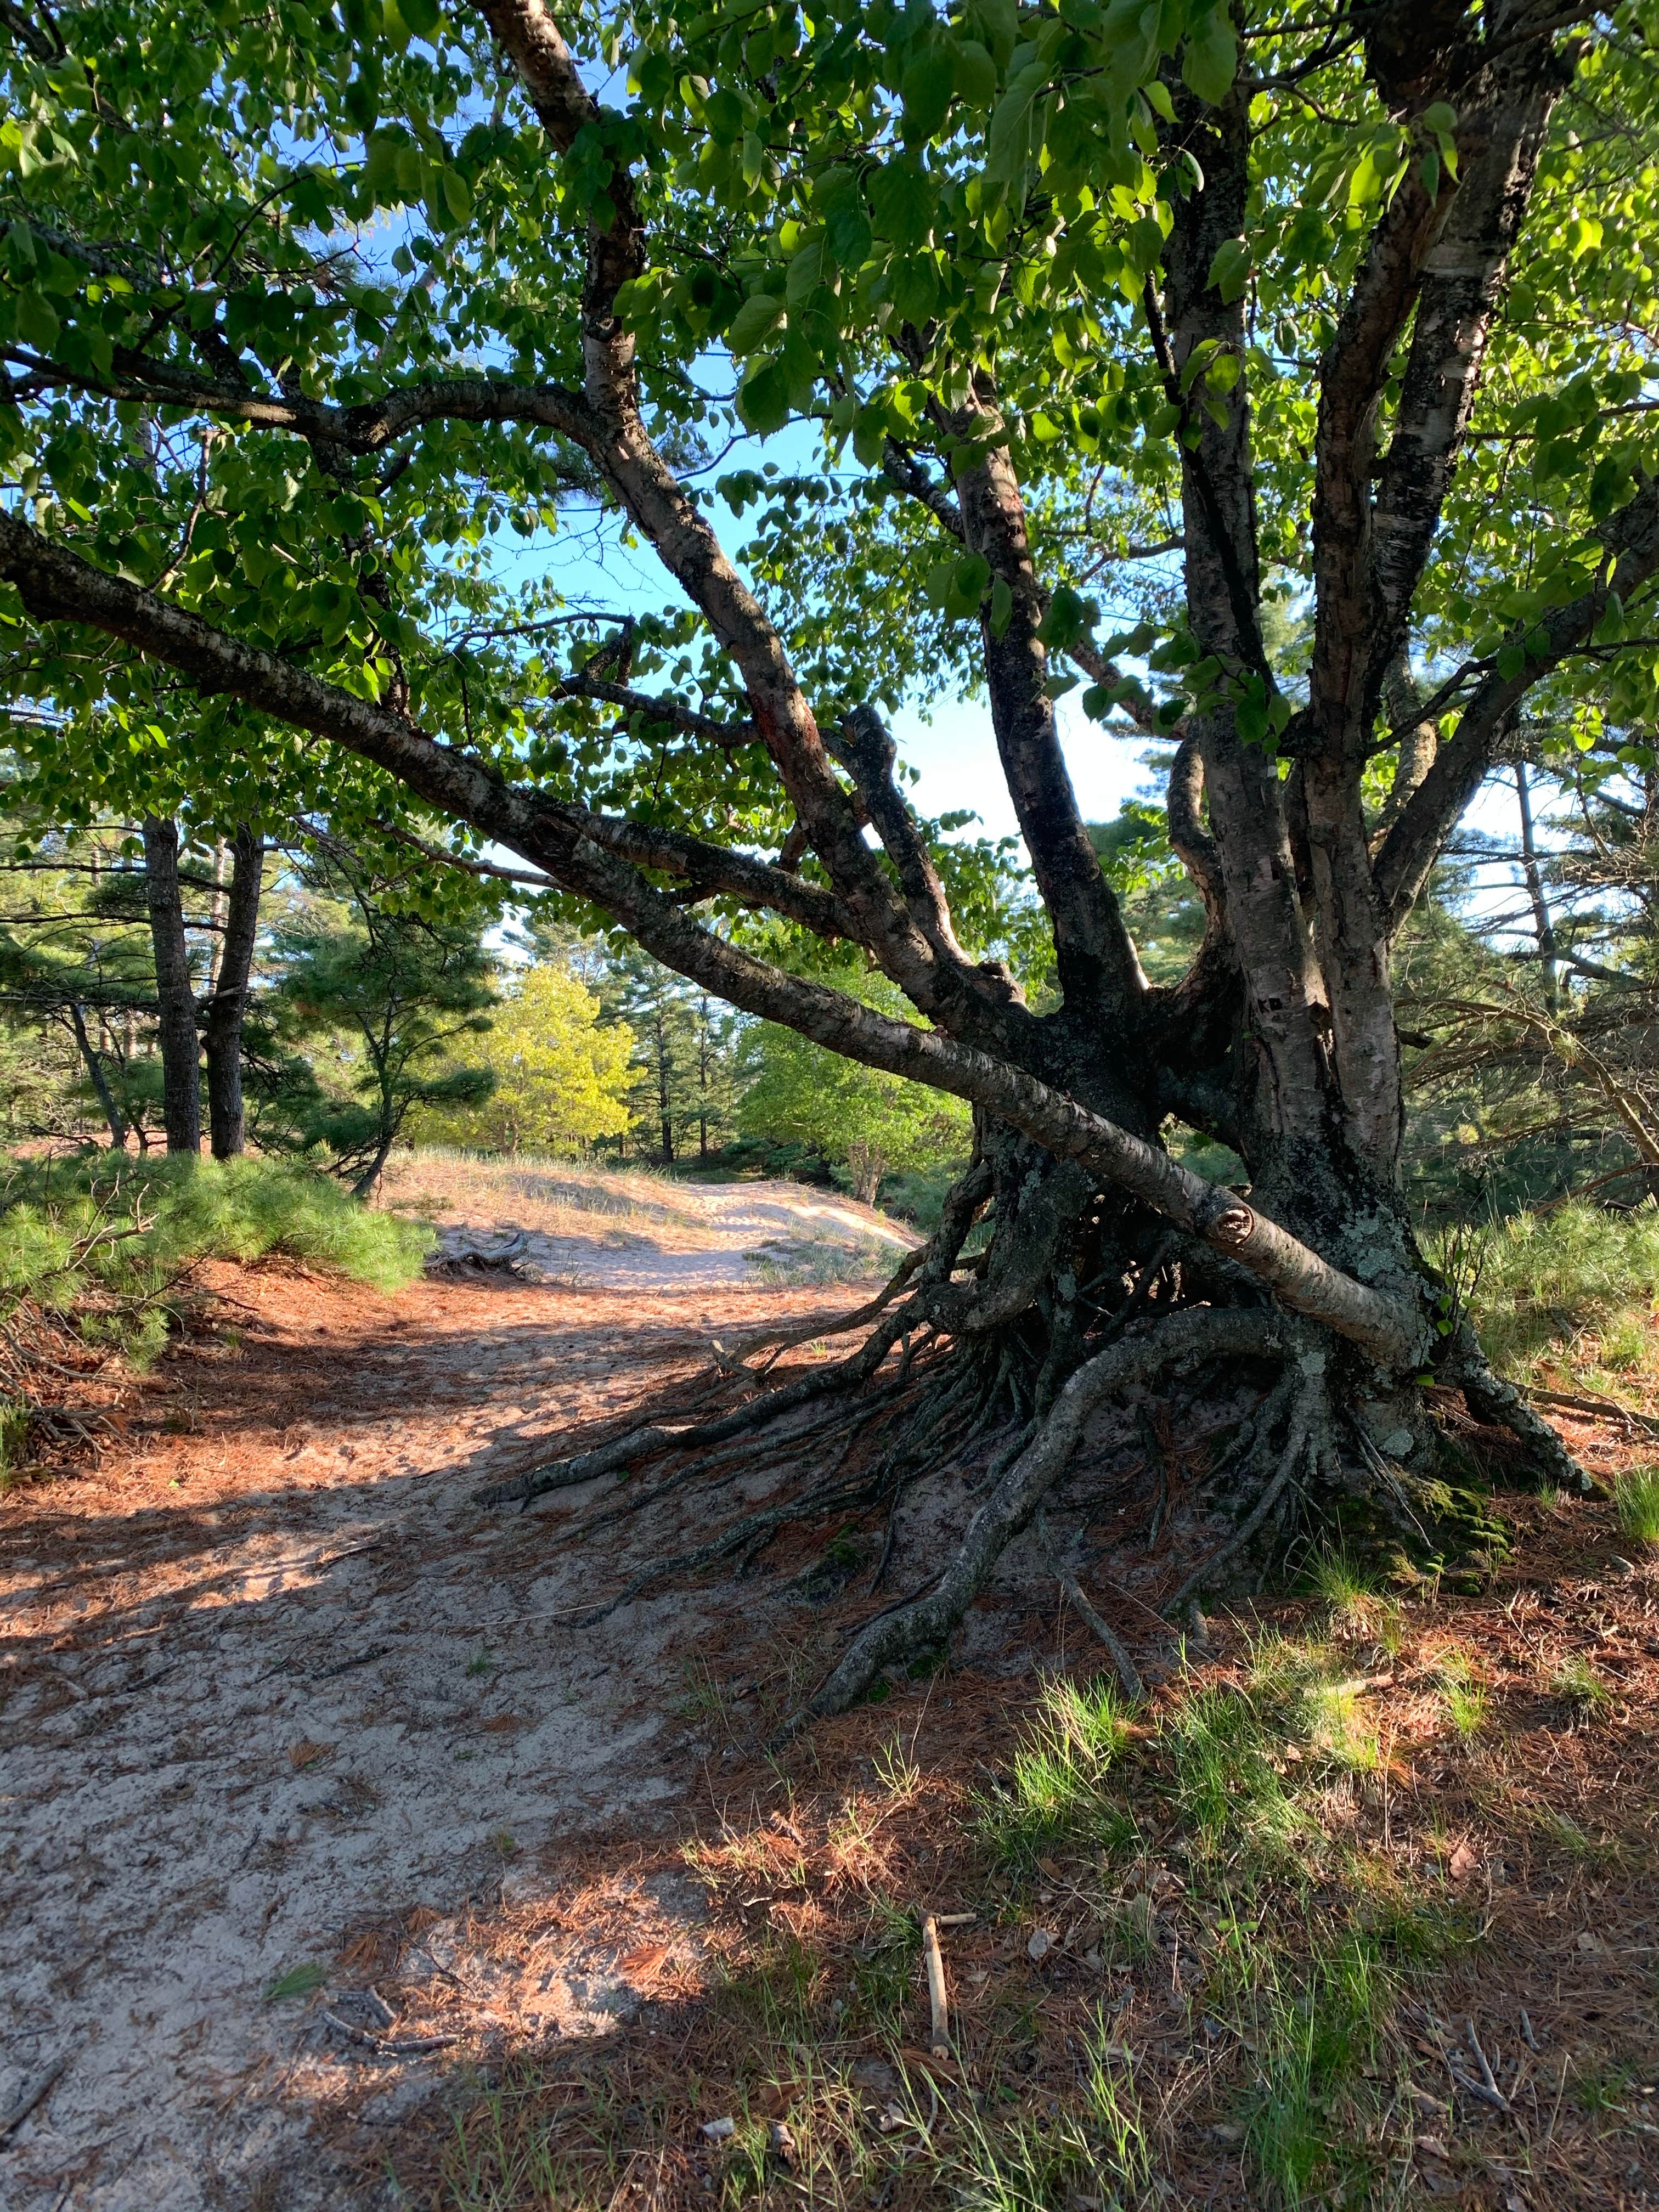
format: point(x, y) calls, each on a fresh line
point(1169, 308)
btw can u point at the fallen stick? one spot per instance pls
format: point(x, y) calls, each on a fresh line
point(16, 2114)
point(931, 1952)
point(389, 2047)
point(1597, 1408)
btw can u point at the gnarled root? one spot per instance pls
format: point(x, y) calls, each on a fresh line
point(931, 1269)
point(1163, 1346)
point(1491, 1399)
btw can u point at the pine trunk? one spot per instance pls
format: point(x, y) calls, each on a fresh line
point(229, 1004)
point(175, 997)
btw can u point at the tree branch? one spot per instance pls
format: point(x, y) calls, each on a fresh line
point(1456, 301)
point(57, 585)
point(1632, 540)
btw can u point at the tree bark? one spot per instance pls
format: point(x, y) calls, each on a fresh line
point(94, 1059)
point(175, 998)
point(229, 1004)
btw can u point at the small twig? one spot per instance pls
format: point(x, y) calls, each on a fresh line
point(940, 2043)
point(345, 1665)
point(16, 2114)
point(386, 2046)
point(1486, 2087)
point(1526, 2029)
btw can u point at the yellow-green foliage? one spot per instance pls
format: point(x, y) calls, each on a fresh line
point(561, 1075)
point(1540, 1282)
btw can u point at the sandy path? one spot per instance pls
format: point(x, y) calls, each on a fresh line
point(592, 1230)
point(271, 1682)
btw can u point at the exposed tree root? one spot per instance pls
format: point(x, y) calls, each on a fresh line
point(1308, 1426)
point(1181, 1342)
point(1013, 1339)
point(930, 1268)
point(1128, 1673)
point(1490, 1398)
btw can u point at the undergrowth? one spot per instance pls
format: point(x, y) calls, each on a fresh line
point(1573, 1284)
point(95, 1253)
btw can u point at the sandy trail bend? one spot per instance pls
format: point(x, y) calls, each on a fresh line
point(271, 1682)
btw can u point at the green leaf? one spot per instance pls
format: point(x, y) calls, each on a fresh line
point(975, 72)
point(936, 585)
point(763, 398)
point(925, 88)
point(997, 23)
point(723, 112)
point(1438, 116)
point(1210, 60)
point(870, 435)
point(37, 319)
point(1512, 659)
point(423, 17)
point(1157, 96)
point(754, 323)
point(1066, 619)
point(1008, 146)
point(838, 198)
point(1002, 607)
point(915, 289)
point(1230, 269)
point(969, 578)
point(902, 199)
point(458, 195)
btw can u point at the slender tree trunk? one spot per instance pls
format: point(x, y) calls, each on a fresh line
point(662, 1114)
point(216, 913)
point(1544, 927)
point(94, 1059)
point(181, 1105)
point(229, 1004)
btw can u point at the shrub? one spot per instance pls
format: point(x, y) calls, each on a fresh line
point(103, 1222)
point(95, 1246)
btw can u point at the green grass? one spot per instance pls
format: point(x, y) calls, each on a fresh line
point(1578, 1685)
point(1315, 2021)
point(1468, 1700)
point(1055, 1791)
point(1220, 1743)
point(1538, 1283)
point(1351, 1593)
point(1636, 1500)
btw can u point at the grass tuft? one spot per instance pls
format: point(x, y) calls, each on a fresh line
point(1577, 1683)
point(1468, 1700)
point(1353, 1594)
point(1055, 1792)
point(1636, 1500)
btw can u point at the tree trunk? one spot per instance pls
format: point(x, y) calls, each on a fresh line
point(94, 1059)
point(175, 999)
point(229, 1004)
